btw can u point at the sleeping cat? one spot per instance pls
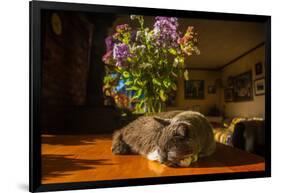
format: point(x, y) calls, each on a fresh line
point(175, 138)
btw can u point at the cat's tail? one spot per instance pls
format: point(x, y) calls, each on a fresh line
point(118, 145)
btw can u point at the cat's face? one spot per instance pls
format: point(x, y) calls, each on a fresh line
point(180, 143)
point(176, 143)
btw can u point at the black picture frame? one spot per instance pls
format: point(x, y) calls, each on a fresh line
point(212, 89)
point(230, 82)
point(258, 69)
point(194, 89)
point(35, 10)
point(259, 85)
point(228, 95)
point(243, 87)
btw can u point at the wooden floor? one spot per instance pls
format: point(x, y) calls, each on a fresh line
point(67, 158)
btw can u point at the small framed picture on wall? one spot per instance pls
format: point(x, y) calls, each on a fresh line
point(194, 89)
point(228, 95)
point(230, 82)
point(258, 69)
point(259, 86)
point(212, 89)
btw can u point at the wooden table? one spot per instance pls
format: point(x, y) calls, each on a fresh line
point(69, 158)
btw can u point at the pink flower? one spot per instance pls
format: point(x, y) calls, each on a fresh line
point(107, 57)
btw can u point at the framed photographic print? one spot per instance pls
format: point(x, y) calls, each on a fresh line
point(243, 90)
point(194, 89)
point(230, 82)
point(258, 69)
point(260, 86)
point(212, 89)
point(228, 95)
point(110, 92)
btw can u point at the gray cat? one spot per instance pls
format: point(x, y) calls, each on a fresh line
point(175, 138)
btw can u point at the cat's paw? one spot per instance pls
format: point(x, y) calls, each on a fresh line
point(120, 148)
point(194, 158)
point(186, 162)
point(153, 156)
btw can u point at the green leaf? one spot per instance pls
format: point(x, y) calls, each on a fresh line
point(162, 95)
point(136, 74)
point(181, 60)
point(167, 83)
point(174, 74)
point(176, 62)
point(129, 82)
point(145, 65)
point(126, 74)
point(133, 88)
point(138, 94)
point(173, 51)
point(140, 83)
point(174, 86)
point(119, 69)
point(156, 82)
point(139, 107)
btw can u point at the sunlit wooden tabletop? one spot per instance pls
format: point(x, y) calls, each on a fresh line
point(79, 158)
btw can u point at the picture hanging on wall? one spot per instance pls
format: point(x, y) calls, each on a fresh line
point(211, 89)
point(194, 89)
point(230, 82)
point(228, 95)
point(258, 69)
point(260, 86)
point(243, 90)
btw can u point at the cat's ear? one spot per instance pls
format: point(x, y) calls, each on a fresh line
point(183, 129)
point(162, 121)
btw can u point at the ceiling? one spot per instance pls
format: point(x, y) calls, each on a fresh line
point(220, 41)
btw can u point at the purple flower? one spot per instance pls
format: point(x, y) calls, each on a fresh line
point(120, 52)
point(165, 31)
point(109, 43)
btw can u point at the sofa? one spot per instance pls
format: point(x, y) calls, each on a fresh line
point(244, 133)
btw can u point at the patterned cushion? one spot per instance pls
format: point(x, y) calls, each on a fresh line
point(224, 135)
point(234, 122)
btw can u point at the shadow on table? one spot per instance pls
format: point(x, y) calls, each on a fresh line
point(70, 140)
point(228, 156)
point(62, 165)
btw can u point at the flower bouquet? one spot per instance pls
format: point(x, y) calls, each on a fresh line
point(148, 62)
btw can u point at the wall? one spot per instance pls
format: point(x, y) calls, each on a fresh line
point(256, 107)
point(72, 75)
point(210, 100)
point(65, 61)
point(65, 69)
